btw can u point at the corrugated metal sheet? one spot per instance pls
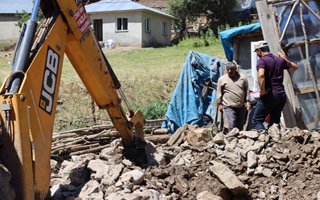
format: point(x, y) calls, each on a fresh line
point(307, 57)
point(14, 6)
point(119, 5)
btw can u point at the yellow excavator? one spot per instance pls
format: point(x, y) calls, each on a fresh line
point(28, 97)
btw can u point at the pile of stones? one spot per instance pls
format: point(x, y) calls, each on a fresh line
point(198, 163)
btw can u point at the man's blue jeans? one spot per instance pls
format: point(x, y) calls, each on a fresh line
point(268, 104)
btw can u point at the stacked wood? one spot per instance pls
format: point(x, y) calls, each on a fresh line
point(94, 139)
point(84, 140)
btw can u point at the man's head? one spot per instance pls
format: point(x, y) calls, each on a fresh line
point(261, 47)
point(231, 68)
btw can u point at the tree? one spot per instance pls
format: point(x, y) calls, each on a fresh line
point(23, 17)
point(219, 13)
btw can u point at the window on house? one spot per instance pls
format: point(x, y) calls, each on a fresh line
point(147, 24)
point(97, 27)
point(164, 28)
point(122, 24)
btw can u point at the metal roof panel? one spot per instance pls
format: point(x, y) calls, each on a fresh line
point(120, 5)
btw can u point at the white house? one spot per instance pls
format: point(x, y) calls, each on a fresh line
point(127, 23)
point(9, 18)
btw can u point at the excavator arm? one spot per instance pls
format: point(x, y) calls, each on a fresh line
point(28, 97)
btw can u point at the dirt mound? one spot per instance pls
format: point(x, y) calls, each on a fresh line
point(199, 163)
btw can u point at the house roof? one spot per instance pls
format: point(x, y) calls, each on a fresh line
point(14, 6)
point(120, 5)
point(156, 4)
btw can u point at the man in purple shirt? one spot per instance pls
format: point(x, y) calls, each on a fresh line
point(270, 78)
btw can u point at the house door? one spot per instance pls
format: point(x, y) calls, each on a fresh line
point(97, 27)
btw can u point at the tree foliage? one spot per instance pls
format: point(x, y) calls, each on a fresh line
point(218, 13)
point(23, 17)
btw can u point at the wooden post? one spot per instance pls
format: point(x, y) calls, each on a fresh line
point(271, 34)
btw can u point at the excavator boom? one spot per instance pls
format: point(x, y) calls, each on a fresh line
point(28, 97)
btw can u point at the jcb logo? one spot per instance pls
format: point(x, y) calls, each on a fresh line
point(49, 81)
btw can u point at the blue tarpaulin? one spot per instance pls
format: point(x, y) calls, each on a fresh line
point(226, 37)
point(188, 105)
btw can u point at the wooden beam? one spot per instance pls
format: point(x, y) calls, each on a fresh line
point(281, 3)
point(301, 43)
point(271, 35)
point(304, 90)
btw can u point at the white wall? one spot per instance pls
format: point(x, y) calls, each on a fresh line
point(132, 37)
point(136, 35)
point(8, 28)
point(156, 37)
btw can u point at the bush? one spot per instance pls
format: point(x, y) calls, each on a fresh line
point(196, 42)
point(154, 109)
point(206, 43)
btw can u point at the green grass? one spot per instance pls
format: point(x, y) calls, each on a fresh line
point(6, 54)
point(148, 77)
point(5, 68)
point(6, 45)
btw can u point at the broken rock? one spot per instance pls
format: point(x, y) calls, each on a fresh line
point(89, 188)
point(228, 178)
point(134, 176)
point(251, 159)
point(99, 168)
point(205, 195)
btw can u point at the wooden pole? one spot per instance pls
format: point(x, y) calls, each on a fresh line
point(271, 35)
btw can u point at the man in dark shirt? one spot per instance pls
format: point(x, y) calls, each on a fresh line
point(270, 78)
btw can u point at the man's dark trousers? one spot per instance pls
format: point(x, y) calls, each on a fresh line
point(268, 104)
point(236, 117)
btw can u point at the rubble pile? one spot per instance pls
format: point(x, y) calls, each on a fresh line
point(198, 163)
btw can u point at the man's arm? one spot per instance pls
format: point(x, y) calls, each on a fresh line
point(294, 66)
point(247, 103)
point(219, 95)
point(261, 81)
